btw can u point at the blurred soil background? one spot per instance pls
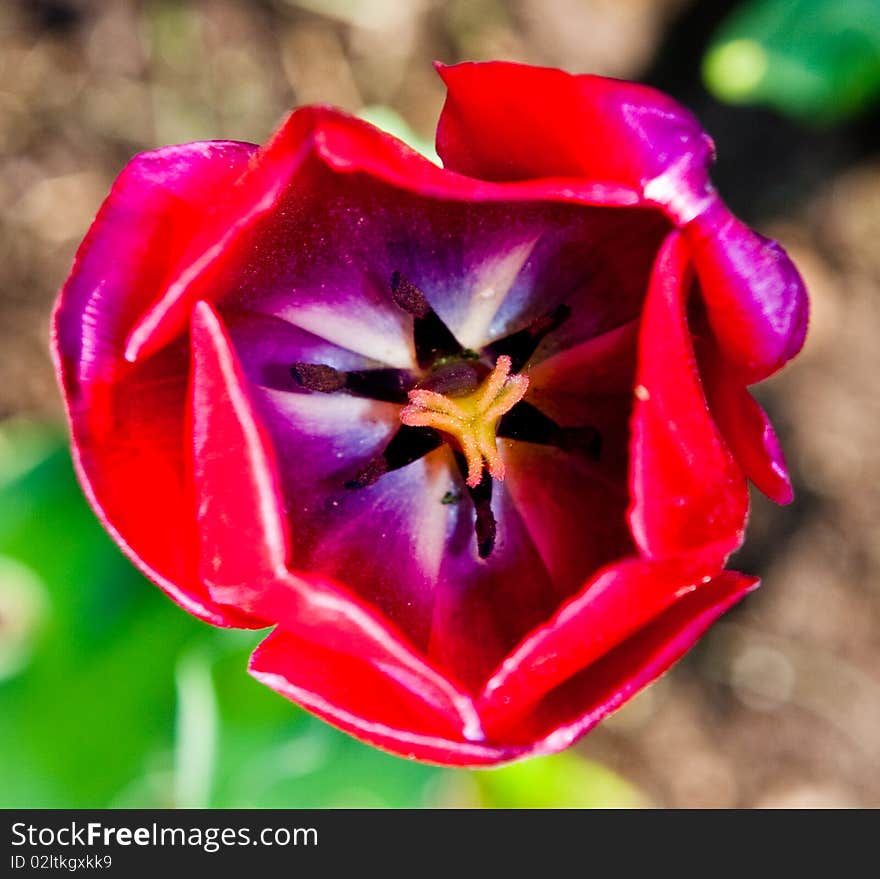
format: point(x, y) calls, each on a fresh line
point(779, 706)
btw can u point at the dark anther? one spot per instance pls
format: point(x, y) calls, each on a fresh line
point(520, 346)
point(408, 297)
point(455, 378)
point(529, 424)
point(431, 336)
point(485, 528)
point(407, 445)
point(318, 377)
point(387, 385)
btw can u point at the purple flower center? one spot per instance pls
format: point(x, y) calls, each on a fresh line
point(361, 293)
point(457, 398)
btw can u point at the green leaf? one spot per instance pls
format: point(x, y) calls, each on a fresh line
point(816, 60)
point(563, 781)
point(85, 707)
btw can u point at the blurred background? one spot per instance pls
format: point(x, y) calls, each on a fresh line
point(111, 696)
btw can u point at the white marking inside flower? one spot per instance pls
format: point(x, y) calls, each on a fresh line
point(368, 332)
point(492, 283)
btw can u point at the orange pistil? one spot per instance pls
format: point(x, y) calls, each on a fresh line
point(471, 420)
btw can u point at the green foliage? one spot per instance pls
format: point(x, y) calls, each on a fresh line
point(563, 781)
point(817, 60)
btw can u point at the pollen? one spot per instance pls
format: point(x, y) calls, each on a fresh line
point(470, 421)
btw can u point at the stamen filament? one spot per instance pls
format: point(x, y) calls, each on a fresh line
point(471, 420)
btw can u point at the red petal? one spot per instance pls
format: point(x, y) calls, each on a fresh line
point(755, 299)
point(483, 608)
point(745, 426)
point(240, 521)
point(618, 602)
point(507, 122)
point(382, 715)
point(689, 494)
point(600, 365)
point(126, 421)
point(576, 707)
point(364, 699)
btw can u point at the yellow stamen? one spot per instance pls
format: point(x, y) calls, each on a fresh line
point(471, 420)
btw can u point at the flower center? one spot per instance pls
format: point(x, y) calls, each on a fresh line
point(471, 420)
point(448, 401)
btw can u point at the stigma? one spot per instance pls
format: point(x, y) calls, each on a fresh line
point(470, 420)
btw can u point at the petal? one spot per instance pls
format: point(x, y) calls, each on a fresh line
point(243, 541)
point(385, 540)
point(619, 601)
point(635, 138)
point(126, 421)
point(590, 386)
point(600, 365)
point(745, 426)
point(755, 299)
point(596, 262)
point(361, 697)
point(327, 684)
point(578, 705)
point(143, 226)
point(689, 494)
point(508, 122)
point(574, 513)
point(244, 548)
point(288, 168)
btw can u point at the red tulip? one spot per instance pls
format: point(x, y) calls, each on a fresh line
point(474, 440)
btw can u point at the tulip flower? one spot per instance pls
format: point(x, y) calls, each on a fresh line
point(474, 440)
